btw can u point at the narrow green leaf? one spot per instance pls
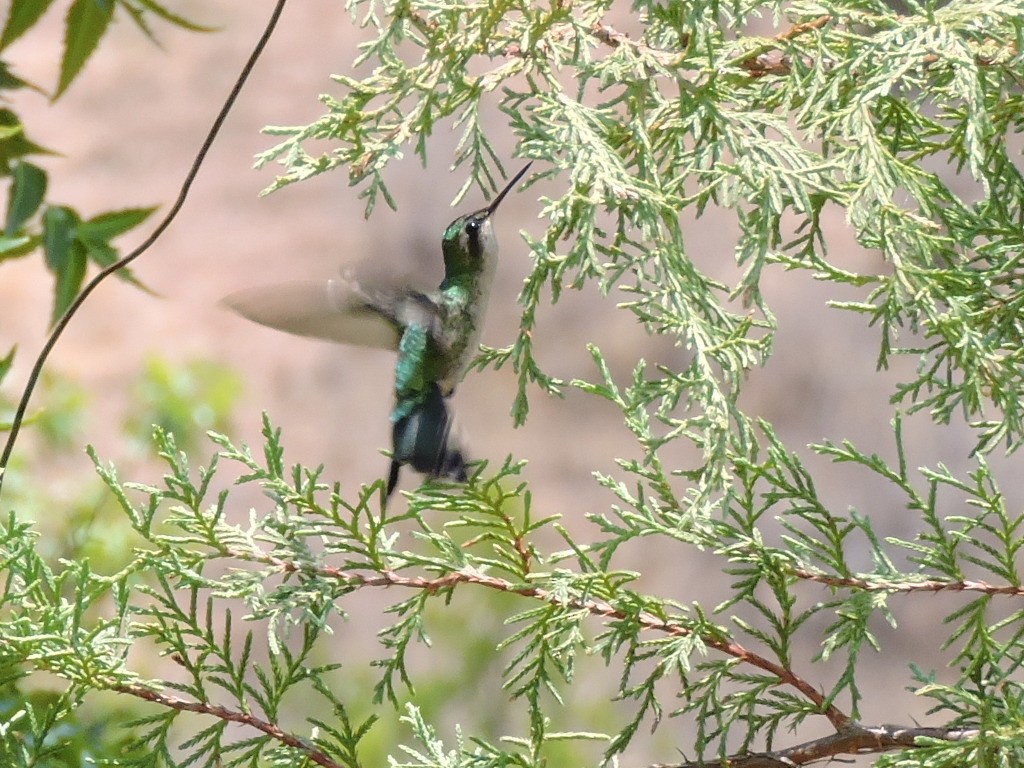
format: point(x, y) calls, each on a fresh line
point(11, 82)
point(96, 233)
point(87, 20)
point(21, 17)
point(137, 15)
point(59, 224)
point(16, 247)
point(28, 187)
point(6, 362)
point(107, 226)
point(13, 141)
point(69, 280)
point(173, 18)
point(103, 255)
point(94, 236)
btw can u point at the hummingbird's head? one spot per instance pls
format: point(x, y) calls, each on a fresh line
point(469, 241)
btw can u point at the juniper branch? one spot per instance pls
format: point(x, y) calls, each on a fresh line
point(775, 61)
point(929, 585)
point(215, 710)
point(470, 575)
point(854, 739)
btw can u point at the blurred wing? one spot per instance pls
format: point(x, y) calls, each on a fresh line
point(335, 310)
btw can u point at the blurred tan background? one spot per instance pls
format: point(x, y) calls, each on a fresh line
point(131, 125)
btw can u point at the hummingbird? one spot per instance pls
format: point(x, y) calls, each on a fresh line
point(436, 335)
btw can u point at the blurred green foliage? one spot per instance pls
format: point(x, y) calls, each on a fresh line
point(184, 398)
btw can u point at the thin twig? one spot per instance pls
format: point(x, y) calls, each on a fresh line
point(855, 739)
point(186, 185)
point(387, 578)
point(774, 60)
point(608, 35)
point(232, 716)
point(931, 585)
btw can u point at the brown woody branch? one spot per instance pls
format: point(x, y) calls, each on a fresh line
point(836, 717)
point(775, 61)
point(771, 60)
point(854, 739)
point(850, 737)
point(608, 35)
point(931, 585)
point(230, 715)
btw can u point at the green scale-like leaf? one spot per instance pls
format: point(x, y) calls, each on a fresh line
point(87, 21)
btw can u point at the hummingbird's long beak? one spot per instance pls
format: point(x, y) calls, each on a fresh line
point(508, 188)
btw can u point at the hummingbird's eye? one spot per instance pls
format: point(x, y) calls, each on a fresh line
point(472, 227)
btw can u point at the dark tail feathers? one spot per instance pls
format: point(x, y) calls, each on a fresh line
point(427, 441)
